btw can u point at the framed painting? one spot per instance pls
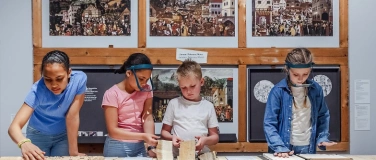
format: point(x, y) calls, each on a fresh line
point(291, 23)
point(89, 23)
point(220, 88)
point(187, 23)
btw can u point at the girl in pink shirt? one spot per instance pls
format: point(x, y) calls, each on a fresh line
point(128, 111)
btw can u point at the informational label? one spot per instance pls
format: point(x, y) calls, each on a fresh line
point(198, 56)
point(91, 94)
point(362, 91)
point(362, 117)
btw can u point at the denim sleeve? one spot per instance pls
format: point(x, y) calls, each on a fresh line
point(322, 133)
point(272, 111)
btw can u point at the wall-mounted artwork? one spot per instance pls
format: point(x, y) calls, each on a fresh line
point(191, 18)
point(292, 18)
point(174, 23)
point(261, 79)
point(292, 23)
point(90, 18)
point(89, 23)
point(220, 88)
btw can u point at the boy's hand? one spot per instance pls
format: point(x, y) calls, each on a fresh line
point(151, 139)
point(284, 155)
point(176, 141)
point(327, 144)
point(200, 143)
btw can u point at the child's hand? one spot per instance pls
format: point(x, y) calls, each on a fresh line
point(284, 155)
point(176, 141)
point(31, 151)
point(151, 139)
point(152, 154)
point(327, 144)
point(200, 143)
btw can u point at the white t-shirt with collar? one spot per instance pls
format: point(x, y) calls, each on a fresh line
point(189, 119)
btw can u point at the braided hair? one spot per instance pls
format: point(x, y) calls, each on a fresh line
point(56, 56)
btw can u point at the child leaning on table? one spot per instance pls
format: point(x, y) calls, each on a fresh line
point(296, 116)
point(190, 117)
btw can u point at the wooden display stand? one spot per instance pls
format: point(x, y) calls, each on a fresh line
point(240, 57)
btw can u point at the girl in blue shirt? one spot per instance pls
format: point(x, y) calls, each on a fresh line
point(296, 117)
point(52, 107)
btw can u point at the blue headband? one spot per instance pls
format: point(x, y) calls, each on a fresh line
point(141, 66)
point(290, 65)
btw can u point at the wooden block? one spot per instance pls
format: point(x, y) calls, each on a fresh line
point(164, 150)
point(187, 150)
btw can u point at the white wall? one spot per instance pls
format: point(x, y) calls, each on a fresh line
point(362, 38)
point(16, 66)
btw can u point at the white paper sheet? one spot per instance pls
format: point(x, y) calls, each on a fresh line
point(198, 56)
point(270, 156)
point(322, 156)
point(362, 91)
point(243, 158)
point(362, 117)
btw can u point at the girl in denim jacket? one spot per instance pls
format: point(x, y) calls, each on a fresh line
point(296, 116)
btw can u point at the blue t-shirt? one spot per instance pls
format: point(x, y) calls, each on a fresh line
point(50, 109)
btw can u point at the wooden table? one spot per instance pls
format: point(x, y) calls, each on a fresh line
point(354, 157)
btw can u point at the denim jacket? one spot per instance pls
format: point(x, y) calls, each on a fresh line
point(278, 116)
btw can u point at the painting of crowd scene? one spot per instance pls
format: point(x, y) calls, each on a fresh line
point(192, 17)
point(292, 18)
point(90, 18)
point(218, 89)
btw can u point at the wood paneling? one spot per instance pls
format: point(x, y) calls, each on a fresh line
point(37, 23)
point(242, 29)
point(141, 24)
point(343, 24)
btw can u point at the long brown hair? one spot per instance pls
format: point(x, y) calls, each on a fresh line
point(299, 56)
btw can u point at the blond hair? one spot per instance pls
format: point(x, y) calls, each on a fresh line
point(188, 67)
point(299, 56)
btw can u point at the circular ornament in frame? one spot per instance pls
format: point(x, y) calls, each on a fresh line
point(325, 83)
point(262, 89)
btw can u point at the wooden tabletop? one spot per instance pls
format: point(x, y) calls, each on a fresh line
point(354, 157)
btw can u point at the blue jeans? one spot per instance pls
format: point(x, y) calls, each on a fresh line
point(300, 149)
point(53, 145)
point(115, 148)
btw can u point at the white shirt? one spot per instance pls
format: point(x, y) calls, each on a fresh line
point(189, 119)
point(301, 117)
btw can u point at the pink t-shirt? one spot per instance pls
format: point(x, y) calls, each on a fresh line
point(130, 107)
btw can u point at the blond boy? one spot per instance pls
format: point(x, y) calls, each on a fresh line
point(190, 117)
